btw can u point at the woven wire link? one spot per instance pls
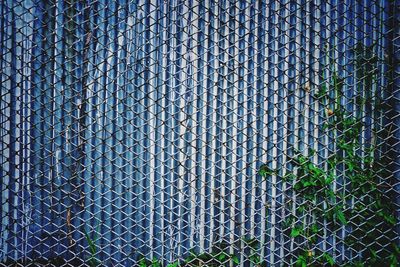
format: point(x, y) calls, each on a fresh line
point(136, 129)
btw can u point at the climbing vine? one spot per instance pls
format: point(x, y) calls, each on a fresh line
point(349, 193)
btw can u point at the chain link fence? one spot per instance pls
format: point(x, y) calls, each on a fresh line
point(199, 133)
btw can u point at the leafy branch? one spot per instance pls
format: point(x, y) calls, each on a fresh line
point(363, 205)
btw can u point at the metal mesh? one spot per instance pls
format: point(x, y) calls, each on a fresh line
point(141, 133)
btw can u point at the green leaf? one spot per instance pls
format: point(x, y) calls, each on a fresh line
point(350, 165)
point(374, 255)
point(301, 261)
point(390, 219)
point(288, 177)
point(329, 179)
point(314, 228)
point(297, 186)
point(329, 192)
point(329, 259)
point(340, 216)
point(301, 208)
point(254, 258)
point(205, 256)
point(296, 231)
point(396, 248)
point(142, 263)
point(96, 233)
point(235, 259)
point(92, 245)
point(393, 260)
point(307, 184)
point(222, 256)
point(322, 91)
point(155, 263)
point(265, 171)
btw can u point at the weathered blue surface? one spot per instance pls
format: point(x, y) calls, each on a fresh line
point(153, 118)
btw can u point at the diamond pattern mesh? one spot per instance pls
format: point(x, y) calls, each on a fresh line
point(148, 133)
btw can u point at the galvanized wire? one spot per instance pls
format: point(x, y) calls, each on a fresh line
point(141, 125)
